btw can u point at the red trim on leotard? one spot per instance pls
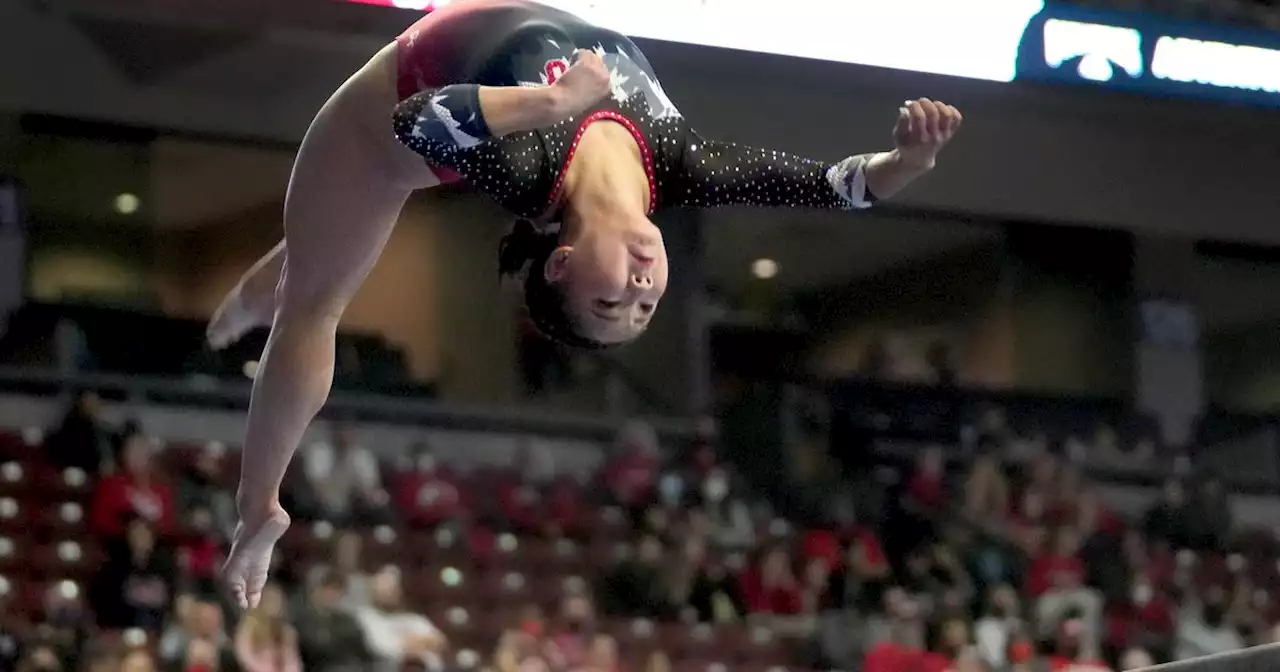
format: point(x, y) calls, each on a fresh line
point(646, 154)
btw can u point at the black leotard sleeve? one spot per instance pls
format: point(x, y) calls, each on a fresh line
point(722, 173)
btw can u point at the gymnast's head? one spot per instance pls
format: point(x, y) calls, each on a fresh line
point(588, 287)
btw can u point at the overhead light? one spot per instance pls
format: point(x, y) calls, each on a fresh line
point(764, 268)
point(127, 204)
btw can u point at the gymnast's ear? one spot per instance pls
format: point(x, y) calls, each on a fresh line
point(557, 266)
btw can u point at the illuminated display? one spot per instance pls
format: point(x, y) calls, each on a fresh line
point(996, 40)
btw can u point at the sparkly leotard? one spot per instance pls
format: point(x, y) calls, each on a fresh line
point(522, 43)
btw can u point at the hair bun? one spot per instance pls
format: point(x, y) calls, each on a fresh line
point(524, 244)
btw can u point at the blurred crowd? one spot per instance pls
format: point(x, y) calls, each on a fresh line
point(1010, 559)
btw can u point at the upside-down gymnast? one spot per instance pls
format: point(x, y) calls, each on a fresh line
point(562, 123)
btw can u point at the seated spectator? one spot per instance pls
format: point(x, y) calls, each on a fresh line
point(395, 634)
point(204, 656)
point(1144, 618)
point(573, 632)
point(715, 595)
point(1209, 519)
point(348, 567)
point(602, 655)
point(635, 587)
point(202, 489)
point(630, 477)
point(135, 585)
point(137, 660)
point(894, 637)
point(200, 549)
point(986, 492)
point(66, 623)
point(1202, 628)
point(1072, 652)
point(731, 528)
point(926, 489)
point(347, 479)
point(137, 491)
point(934, 571)
point(952, 642)
point(1135, 659)
point(565, 508)
point(1000, 626)
point(329, 637)
point(770, 587)
point(41, 658)
point(264, 641)
point(428, 496)
point(82, 439)
point(197, 618)
point(1166, 520)
point(1057, 580)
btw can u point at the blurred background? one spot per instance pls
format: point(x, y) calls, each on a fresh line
point(1022, 418)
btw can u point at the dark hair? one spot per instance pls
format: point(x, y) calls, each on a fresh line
point(527, 247)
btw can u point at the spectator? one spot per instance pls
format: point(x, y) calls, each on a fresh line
point(631, 475)
point(1000, 626)
point(81, 440)
point(1202, 627)
point(894, 637)
point(1209, 519)
point(348, 480)
point(715, 595)
point(602, 655)
point(986, 492)
point(1143, 618)
point(135, 492)
point(137, 660)
point(770, 587)
point(427, 495)
point(1072, 651)
point(135, 586)
point(65, 625)
point(1057, 580)
point(575, 631)
point(635, 587)
point(41, 658)
point(202, 489)
point(1135, 659)
point(330, 638)
point(395, 634)
point(926, 489)
point(1166, 519)
point(200, 548)
point(731, 528)
point(203, 656)
point(952, 642)
point(348, 567)
point(196, 619)
point(265, 642)
point(658, 661)
point(934, 571)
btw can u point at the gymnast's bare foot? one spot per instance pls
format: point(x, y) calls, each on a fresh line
point(231, 321)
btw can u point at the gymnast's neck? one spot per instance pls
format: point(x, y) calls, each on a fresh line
point(605, 184)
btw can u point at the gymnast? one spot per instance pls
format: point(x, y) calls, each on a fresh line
point(562, 123)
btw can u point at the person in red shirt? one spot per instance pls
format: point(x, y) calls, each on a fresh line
point(926, 488)
point(1057, 579)
point(631, 475)
point(427, 495)
point(770, 587)
point(1058, 569)
point(136, 492)
point(1146, 616)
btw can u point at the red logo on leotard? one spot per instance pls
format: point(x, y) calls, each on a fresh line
point(552, 69)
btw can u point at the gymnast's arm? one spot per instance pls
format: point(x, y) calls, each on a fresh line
point(437, 122)
point(721, 173)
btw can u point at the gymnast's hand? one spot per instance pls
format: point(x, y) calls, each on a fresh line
point(924, 127)
point(585, 83)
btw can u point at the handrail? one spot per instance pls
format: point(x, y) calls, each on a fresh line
point(203, 389)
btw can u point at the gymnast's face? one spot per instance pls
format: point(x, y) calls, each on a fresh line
point(612, 280)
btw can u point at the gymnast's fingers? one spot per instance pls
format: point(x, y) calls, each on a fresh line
point(919, 122)
point(934, 115)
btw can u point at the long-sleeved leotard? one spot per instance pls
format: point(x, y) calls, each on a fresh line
point(523, 172)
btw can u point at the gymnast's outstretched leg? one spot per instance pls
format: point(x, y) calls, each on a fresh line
point(349, 182)
point(251, 304)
